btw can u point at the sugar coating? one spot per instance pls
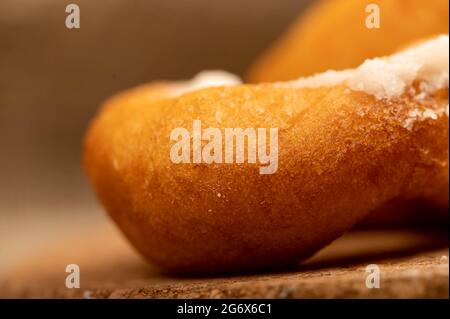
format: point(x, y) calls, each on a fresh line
point(388, 77)
point(421, 115)
point(385, 78)
point(205, 79)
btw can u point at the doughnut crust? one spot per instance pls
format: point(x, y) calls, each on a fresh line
point(332, 34)
point(342, 153)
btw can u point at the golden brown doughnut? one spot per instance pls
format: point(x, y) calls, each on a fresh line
point(343, 151)
point(332, 34)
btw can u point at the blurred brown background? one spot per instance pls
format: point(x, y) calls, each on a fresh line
point(52, 79)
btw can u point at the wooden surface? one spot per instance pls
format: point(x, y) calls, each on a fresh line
point(413, 264)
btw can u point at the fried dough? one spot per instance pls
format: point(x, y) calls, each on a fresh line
point(332, 34)
point(344, 150)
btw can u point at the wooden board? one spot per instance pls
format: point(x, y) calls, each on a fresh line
point(413, 264)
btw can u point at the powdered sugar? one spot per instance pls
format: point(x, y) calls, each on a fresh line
point(389, 77)
point(421, 115)
point(206, 79)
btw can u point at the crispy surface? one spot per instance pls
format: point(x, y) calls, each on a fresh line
point(332, 35)
point(341, 154)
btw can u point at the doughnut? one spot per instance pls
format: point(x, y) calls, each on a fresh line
point(302, 51)
point(347, 143)
point(332, 34)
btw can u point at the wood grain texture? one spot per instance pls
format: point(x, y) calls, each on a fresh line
point(413, 264)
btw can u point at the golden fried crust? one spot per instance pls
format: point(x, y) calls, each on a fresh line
point(332, 34)
point(341, 154)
